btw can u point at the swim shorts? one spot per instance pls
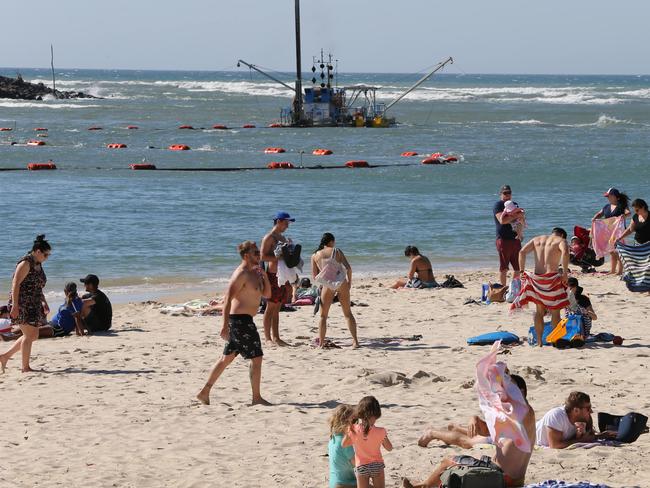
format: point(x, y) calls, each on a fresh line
point(58, 331)
point(370, 469)
point(279, 294)
point(508, 250)
point(244, 338)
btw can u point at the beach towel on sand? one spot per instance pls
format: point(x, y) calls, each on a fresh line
point(564, 484)
point(501, 401)
point(636, 264)
point(546, 289)
point(604, 233)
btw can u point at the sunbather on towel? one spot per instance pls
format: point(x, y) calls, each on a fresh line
point(546, 287)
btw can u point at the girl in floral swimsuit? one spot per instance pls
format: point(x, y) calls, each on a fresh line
point(27, 302)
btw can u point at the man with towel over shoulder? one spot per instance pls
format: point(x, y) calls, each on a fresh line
point(546, 287)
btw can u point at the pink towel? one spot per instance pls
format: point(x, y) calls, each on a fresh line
point(501, 401)
point(604, 234)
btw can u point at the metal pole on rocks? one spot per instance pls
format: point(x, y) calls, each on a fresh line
point(52, 64)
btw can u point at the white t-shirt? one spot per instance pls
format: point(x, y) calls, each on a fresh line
point(556, 419)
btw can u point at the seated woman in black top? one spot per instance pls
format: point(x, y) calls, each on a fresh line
point(617, 206)
point(639, 224)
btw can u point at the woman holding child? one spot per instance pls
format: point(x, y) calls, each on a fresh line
point(327, 260)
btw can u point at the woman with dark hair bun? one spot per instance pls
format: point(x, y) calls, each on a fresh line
point(639, 225)
point(28, 307)
point(325, 253)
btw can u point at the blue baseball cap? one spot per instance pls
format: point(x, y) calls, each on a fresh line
point(283, 216)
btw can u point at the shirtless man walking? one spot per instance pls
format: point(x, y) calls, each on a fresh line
point(279, 293)
point(546, 287)
point(247, 286)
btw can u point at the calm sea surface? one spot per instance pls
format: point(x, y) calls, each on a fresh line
point(559, 141)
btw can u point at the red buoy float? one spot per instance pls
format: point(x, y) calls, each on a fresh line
point(179, 147)
point(433, 161)
point(189, 127)
point(35, 143)
point(321, 152)
point(116, 146)
point(40, 166)
point(40, 129)
point(94, 127)
point(280, 165)
point(408, 154)
point(219, 127)
point(131, 127)
point(248, 126)
point(5, 129)
point(143, 166)
point(274, 150)
point(275, 125)
point(357, 164)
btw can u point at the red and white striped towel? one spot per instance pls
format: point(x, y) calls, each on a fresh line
point(546, 289)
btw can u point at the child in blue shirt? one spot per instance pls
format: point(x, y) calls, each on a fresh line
point(341, 459)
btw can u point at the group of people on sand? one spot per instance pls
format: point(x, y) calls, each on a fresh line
point(548, 286)
point(27, 308)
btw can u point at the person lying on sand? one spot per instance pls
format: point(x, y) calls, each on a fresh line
point(568, 424)
point(420, 273)
point(512, 461)
point(465, 436)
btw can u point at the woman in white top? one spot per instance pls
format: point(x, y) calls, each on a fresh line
point(319, 260)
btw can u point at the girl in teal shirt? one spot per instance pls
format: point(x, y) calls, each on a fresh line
point(341, 459)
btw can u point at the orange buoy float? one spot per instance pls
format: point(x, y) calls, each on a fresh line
point(5, 129)
point(186, 127)
point(40, 166)
point(116, 146)
point(280, 165)
point(274, 150)
point(437, 160)
point(131, 127)
point(436, 155)
point(321, 152)
point(219, 127)
point(357, 164)
point(138, 166)
point(40, 129)
point(35, 143)
point(179, 147)
point(94, 127)
point(408, 154)
point(275, 125)
point(248, 126)
point(451, 159)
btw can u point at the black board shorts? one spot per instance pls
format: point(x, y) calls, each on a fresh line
point(244, 338)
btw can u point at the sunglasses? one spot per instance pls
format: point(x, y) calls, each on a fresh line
point(506, 193)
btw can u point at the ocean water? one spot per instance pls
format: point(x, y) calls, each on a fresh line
point(559, 141)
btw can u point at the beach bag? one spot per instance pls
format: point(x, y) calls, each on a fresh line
point(496, 292)
point(333, 273)
point(628, 427)
point(513, 290)
point(291, 255)
point(472, 477)
point(413, 283)
point(451, 282)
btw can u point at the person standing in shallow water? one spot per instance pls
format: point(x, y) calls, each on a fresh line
point(280, 293)
point(327, 250)
point(247, 286)
point(27, 304)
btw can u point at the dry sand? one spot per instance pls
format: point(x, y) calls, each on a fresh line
point(119, 410)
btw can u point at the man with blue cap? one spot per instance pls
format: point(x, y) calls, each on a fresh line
point(280, 292)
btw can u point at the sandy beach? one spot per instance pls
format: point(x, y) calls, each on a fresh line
point(119, 409)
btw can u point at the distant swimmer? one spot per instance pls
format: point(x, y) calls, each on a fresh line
point(248, 284)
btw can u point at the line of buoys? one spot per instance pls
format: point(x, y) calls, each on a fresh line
point(132, 127)
point(94, 127)
point(248, 126)
point(40, 129)
point(280, 165)
point(188, 127)
point(220, 127)
point(33, 142)
point(5, 129)
point(41, 166)
point(408, 154)
point(179, 147)
point(142, 166)
point(116, 146)
point(321, 152)
point(357, 164)
point(274, 150)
